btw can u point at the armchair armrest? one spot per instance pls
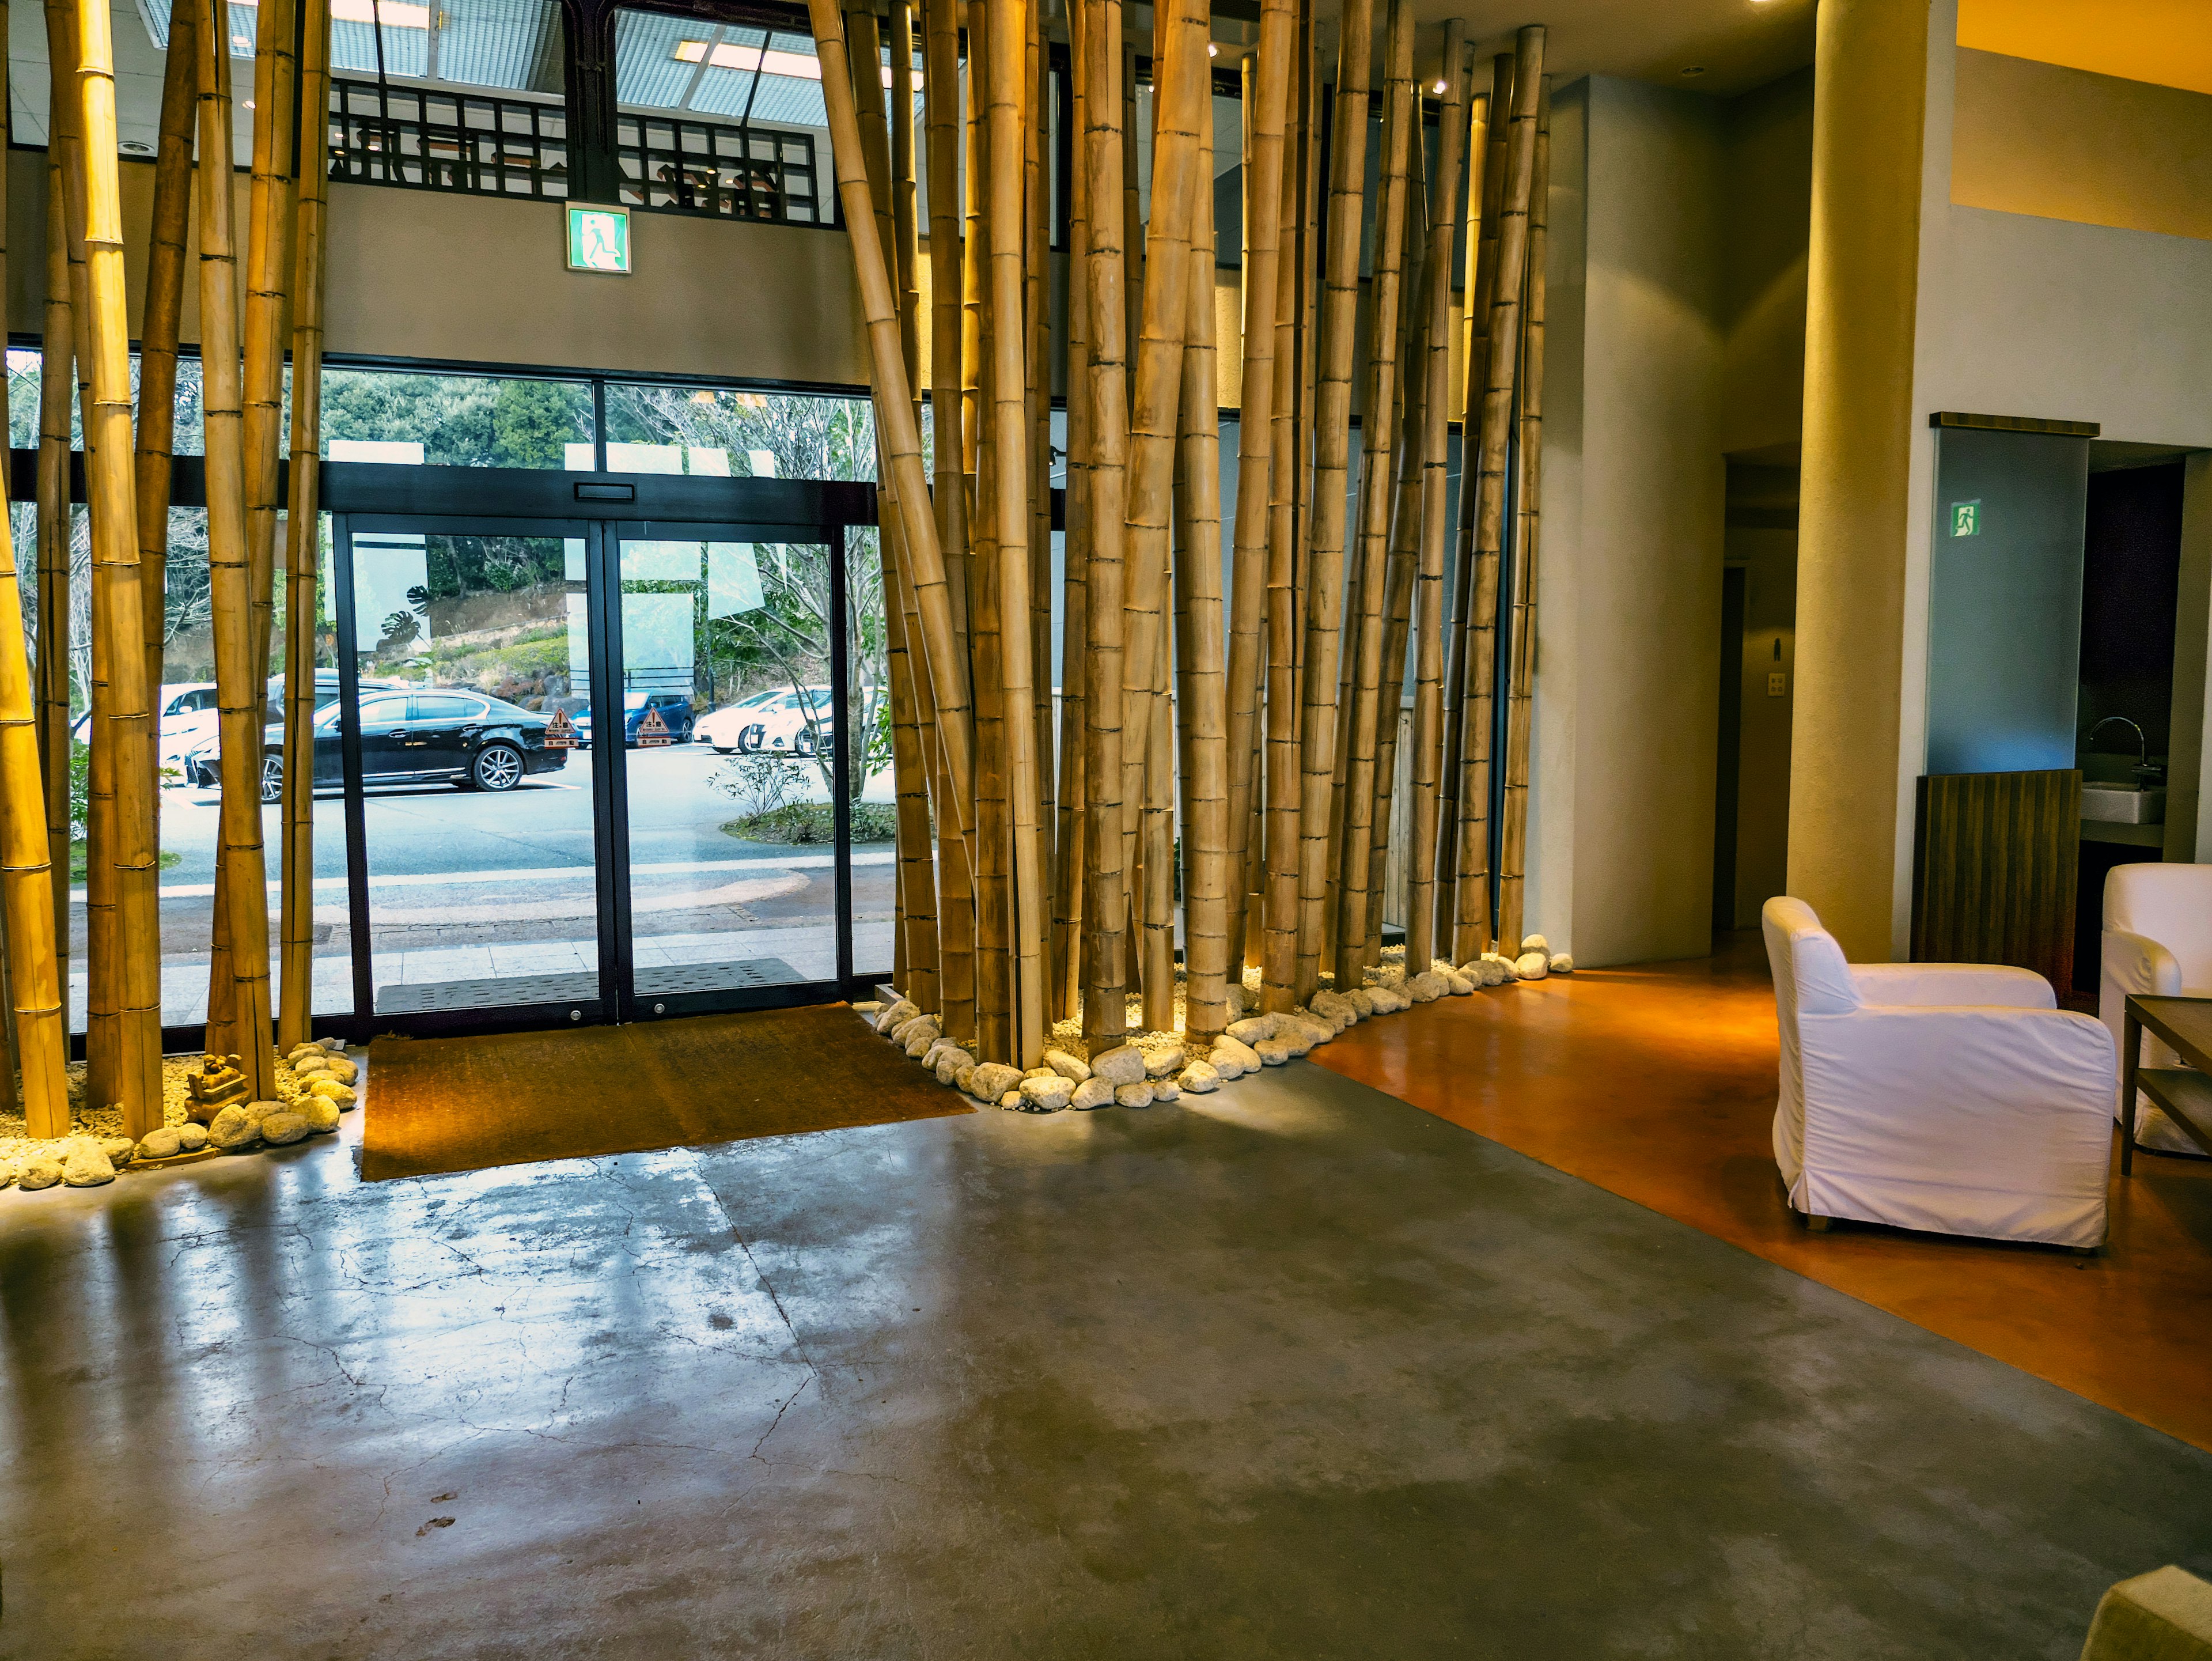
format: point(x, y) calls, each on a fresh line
point(1956, 985)
point(1993, 1064)
point(2135, 963)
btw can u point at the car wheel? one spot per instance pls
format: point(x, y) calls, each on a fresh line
point(272, 778)
point(496, 767)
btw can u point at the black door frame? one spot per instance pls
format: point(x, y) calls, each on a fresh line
point(370, 497)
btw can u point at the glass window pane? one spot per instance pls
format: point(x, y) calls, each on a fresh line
point(868, 722)
point(456, 421)
point(482, 876)
point(732, 875)
point(723, 432)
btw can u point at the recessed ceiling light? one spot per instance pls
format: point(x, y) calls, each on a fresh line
point(1695, 68)
point(1439, 88)
point(134, 147)
point(1213, 50)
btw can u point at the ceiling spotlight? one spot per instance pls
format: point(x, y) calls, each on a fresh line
point(1213, 50)
point(1439, 88)
point(135, 147)
point(1695, 68)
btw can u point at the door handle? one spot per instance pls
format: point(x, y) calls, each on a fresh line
point(398, 732)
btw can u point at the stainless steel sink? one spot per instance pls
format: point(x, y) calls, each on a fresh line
point(2123, 804)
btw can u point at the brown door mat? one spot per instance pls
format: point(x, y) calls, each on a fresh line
point(464, 1104)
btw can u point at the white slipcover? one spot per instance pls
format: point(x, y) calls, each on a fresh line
point(1946, 1096)
point(2158, 939)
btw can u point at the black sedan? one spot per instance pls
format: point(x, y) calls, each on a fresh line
point(469, 739)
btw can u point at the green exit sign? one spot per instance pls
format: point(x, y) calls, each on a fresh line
point(599, 238)
point(1966, 518)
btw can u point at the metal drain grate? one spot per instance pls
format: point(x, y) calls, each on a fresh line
point(655, 980)
point(662, 979)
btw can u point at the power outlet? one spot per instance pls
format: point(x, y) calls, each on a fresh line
point(1778, 682)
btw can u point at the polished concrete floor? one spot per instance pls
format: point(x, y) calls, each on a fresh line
point(1657, 1083)
point(1293, 1369)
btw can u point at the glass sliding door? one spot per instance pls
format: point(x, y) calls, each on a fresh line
point(474, 813)
point(729, 818)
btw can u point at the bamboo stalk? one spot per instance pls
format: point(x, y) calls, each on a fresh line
point(1201, 668)
point(904, 435)
point(1037, 267)
point(918, 896)
point(1404, 541)
point(57, 387)
point(1267, 98)
point(33, 961)
point(1400, 117)
point(1178, 88)
point(941, 102)
point(1011, 439)
point(1445, 220)
point(269, 270)
point(1105, 1012)
point(1065, 968)
point(239, 696)
point(1472, 932)
point(1331, 445)
point(1157, 839)
point(905, 230)
point(1486, 158)
point(166, 265)
point(1286, 472)
point(303, 538)
point(111, 488)
point(1520, 706)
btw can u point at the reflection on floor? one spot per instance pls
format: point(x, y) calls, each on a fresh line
point(1290, 1369)
point(1657, 1082)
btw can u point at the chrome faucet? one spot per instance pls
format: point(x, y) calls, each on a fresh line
point(2144, 770)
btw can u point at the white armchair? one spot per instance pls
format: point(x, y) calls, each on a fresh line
point(2158, 939)
point(1952, 1097)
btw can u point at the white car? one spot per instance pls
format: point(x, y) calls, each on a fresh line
point(772, 722)
point(189, 717)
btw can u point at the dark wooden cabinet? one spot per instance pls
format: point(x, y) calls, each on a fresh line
point(1995, 865)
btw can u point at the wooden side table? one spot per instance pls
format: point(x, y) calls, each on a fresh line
point(2186, 1024)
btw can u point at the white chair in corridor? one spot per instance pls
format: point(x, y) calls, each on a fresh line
point(1951, 1098)
point(2158, 939)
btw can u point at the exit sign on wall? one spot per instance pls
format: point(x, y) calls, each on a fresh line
point(1966, 519)
point(599, 238)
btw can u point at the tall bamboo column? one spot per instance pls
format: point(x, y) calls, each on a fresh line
point(1522, 676)
point(1486, 175)
point(41, 1044)
point(110, 487)
point(905, 230)
point(1063, 970)
point(1007, 31)
point(1036, 268)
point(237, 693)
point(303, 535)
point(1178, 106)
point(166, 263)
point(1282, 785)
point(268, 270)
point(57, 392)
point(1446, 217)
point(1268, 96)
point(1339, 310)
point(1471, 932)
point(901, 433)
point(1400, 118)
point(1106, 904)
point(941, 104)
point(1202, 669)
point(1405, 537)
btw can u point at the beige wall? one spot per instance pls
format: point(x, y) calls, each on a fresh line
point(472, 279)
point(1629, 618)
point(2060, 143)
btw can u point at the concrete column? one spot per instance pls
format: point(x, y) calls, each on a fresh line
point(1870, 104)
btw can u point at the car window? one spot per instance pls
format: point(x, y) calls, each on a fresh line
point(444, 706)
point(382, 712)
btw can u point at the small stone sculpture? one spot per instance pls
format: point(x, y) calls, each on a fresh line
point(217, 1085)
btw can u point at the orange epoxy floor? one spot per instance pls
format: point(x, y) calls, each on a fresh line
point(1657, 1082)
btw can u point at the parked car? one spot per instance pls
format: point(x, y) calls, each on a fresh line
point(674, 715)
point(468, 738)
point(771, 723)
point(188, 715)
point(724, 727)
